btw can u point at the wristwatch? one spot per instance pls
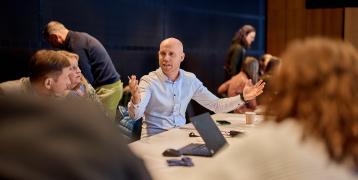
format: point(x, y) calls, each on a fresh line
point(242, 98)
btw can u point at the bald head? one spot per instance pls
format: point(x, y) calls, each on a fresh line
point(170, 56)
point(173, 42)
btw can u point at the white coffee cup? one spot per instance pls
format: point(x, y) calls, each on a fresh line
point(250, 117)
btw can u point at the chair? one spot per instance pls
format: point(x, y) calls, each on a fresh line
point(130, 128)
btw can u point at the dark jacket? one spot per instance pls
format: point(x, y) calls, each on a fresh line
point(95, 63)
point(234, 60)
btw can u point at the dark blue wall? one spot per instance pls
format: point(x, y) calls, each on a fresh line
point(131, 31)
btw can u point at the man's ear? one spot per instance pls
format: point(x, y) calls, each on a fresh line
point(182, 57)
point(52, 37)
point(48, 83)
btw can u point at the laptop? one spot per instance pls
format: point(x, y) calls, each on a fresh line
point(212, 136)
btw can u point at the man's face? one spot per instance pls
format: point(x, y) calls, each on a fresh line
point(61, 83)
point(55, 41)
point(170, 56)
point(250, 38)
point(75, 72)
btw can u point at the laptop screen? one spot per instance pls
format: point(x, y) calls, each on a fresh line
point(210, 133)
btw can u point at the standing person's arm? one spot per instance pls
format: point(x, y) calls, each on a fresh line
point(140, 97)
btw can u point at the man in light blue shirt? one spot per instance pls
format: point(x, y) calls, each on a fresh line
point(162, 96)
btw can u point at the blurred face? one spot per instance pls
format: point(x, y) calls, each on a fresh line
point(75, 73)
point(170, 56)
point(265, 61)
point(250, 38)
point(55, 41)
point(61, 83)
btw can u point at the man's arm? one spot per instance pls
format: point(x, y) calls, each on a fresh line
point(251, 91)
point(140, 97)
point(207, 99)
point(204, 97)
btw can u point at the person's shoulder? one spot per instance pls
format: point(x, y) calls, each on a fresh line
point(80, 34)
point(237, 46)
point(150, 77)
point(13, 86)
point(83, 37)
point(187, 74)
point(240, 77)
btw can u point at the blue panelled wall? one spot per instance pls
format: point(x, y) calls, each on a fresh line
point(131, 31)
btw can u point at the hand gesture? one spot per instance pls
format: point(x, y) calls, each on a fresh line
point(251, 91)
point(133, 86)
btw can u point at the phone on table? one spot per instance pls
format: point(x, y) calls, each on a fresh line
point(223, 122)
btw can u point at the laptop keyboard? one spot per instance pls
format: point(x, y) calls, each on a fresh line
point(195, 149)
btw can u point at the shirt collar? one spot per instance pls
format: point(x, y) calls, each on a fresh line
point(164, 78)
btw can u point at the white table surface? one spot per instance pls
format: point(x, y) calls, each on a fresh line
point(150, 149)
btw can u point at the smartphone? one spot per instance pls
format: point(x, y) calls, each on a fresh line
point(223, 122)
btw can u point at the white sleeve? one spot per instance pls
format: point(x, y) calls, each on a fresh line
point(136, 111)
point(207, 99)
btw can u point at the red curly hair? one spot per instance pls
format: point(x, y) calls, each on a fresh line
point(317, 87)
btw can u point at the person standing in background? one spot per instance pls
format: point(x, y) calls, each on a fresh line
point(237, 51)
point(94, 61)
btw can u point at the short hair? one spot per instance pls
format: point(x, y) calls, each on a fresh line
point(316, 86)
point(241, 34)
point(52, 27)
point(45, 62)
point(69, 54)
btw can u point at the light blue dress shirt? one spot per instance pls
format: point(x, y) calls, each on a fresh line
point(164, 102)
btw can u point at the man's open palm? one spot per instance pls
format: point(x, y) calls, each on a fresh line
point(251, 91)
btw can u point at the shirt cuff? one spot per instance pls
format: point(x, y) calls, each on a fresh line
point(136, 106)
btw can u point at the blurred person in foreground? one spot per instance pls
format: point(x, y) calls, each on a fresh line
point(311, 125)
point(63, 139)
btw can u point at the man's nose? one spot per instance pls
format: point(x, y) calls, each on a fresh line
point(166, 58)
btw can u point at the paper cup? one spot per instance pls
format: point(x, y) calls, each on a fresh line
point(250, 117)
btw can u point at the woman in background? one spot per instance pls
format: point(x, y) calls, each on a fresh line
point(237, 51)
point(79, 85)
